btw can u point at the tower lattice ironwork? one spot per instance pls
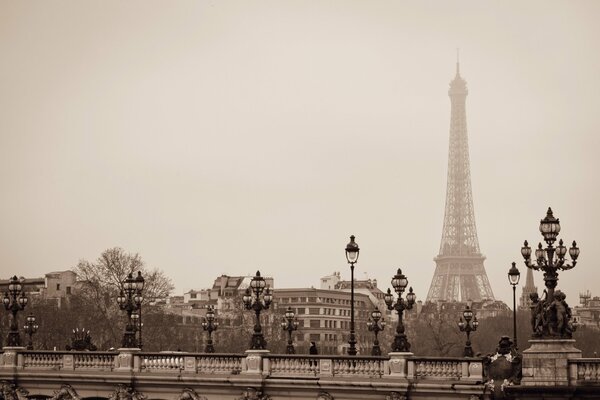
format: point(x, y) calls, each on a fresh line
point(459, 273)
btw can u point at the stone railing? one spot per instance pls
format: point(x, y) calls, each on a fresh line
point(439, 368)
point(584, 370)
point(262, 363)
point(66, 360)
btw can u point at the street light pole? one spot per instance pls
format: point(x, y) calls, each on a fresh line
point(210, 325)
point(468, 327)
point(258, 297)
point(513, 278)
point(399, 282)
point(30, 328)
point(352, 251)
point(290, 324)
point(130, 300)
point(14, 301)
point(376, 324)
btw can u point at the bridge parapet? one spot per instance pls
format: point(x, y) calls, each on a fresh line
point(584, 371)
point(219, 376)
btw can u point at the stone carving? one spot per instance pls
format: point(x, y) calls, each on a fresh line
point(10, 391)
point(502, 368)
point(190, 394)
point(81, 341)
point(551, 316)
point(253, 394)
point(253, 362)
point(66, 392)
point(324, 396)
point(123, 392)
point(396, 396)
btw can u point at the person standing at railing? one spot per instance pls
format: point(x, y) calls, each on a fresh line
point(313, 349)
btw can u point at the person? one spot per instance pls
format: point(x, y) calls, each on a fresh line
point(313, 348)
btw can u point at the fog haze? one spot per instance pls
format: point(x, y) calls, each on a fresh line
point(225, 137)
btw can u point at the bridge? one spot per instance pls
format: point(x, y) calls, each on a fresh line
point(129, 374)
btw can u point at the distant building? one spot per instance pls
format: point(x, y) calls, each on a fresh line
point(324, 317)
point(525, 300)
point(587, 313)
point(58, 285)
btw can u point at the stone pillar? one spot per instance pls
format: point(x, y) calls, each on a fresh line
point(9, 357)
point(399, 365)
point(127, 360)
point(253, 363)
point(545, 363)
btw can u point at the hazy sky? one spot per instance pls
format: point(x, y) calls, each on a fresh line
point(228, 136)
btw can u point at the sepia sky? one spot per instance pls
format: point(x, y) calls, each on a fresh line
point(222, 137)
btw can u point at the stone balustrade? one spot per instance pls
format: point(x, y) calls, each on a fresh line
point(584, 370)
point(271, 365)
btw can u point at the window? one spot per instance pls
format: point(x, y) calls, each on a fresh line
point(313, 311)
point(301, 323)
point(58, 286)
point(315, 337)
point(312, 299)
point(300, 337)
point(315, 323)
point(192, 295)
point(68, 289)
point(301, 311)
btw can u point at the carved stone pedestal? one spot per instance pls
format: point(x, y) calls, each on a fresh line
point(9, 356)
point(398, 364)
point(545, 363)
point(253, 363)
point(126, 360)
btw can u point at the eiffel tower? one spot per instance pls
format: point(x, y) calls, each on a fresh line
point(459, 273)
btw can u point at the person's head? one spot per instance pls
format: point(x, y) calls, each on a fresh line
point(313, 344)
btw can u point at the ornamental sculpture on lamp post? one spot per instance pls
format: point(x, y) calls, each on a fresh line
point(376, 325)
point(290, 324)
point(30, 328)
point(469, 325)
point(399, 282)
point(14, 301)
point(210, 325)
point(130, 300)
point(258, 297)
point(551, 316)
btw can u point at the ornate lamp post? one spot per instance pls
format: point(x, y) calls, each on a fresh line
point(513, 278)
point(376, 325)
point(290, 324)
point(139, 286)
point(130, 300)
point(399, 282)
point(14, 301)
point(258, 297)
point(352, 251)
point(30, 328)
point(468, 326)
point(210, 325)
point(551, 316)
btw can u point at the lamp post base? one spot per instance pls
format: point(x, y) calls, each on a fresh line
point(129, 341)
point(376, 350)
point(401, 344)
point(14, 339)
point(258, 342)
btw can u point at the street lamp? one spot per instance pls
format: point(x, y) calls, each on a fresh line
point(552, 318)
point(30, 328)
point(290, 324)
point(513, 278)
point(352, 251)
point(469, 325)
point(258, 297)
point(14, 301)
point(376, 325)
point(399, 282)
point(210, 325)
point(139, 286)
point(130, 300)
